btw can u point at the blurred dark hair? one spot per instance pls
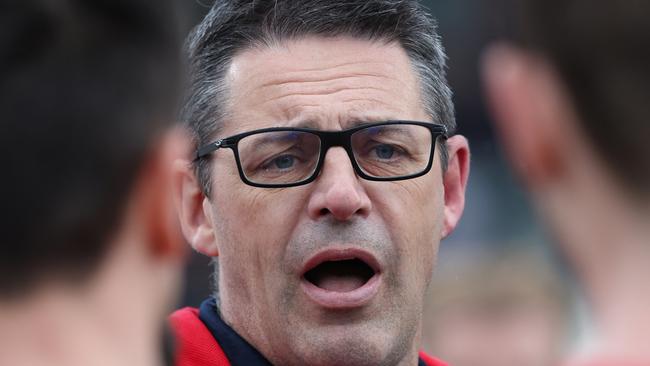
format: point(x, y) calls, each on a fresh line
point(601, 49)
point(233, 26)
point(86, 87)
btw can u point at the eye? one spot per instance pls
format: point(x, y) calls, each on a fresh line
point(384, 151)
point(279, 163)
point(283, 162)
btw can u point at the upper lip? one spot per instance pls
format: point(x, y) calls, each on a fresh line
point(341, 254)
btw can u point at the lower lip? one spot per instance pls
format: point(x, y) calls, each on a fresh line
point(343, 300)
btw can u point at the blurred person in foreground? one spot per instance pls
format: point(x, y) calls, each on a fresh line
point(326, 175)
point(572, 104)
point(91, 254)
point(505, 307)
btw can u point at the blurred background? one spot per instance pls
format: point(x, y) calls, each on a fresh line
point(500, 295)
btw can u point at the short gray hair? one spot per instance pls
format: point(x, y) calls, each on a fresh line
point(232, 26)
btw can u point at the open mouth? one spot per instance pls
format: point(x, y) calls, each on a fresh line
point(341, 278)
point(340, 275)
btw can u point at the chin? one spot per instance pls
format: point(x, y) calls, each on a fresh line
point(350, 347)
point(345, 352)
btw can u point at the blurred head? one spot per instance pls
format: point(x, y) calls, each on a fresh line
point(570, 101)
point(503, 308)
point(576, 78)
point(88, 95)
point(569, 98)
point(331, 271)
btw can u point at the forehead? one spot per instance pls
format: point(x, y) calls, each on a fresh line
point(326, 83)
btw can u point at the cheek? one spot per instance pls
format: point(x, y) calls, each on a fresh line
point(253, 228)
point(257, 223)
point(413, 213)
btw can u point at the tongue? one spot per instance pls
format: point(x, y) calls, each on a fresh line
point(340, 283)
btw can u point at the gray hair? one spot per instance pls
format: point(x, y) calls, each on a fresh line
point(232, 26)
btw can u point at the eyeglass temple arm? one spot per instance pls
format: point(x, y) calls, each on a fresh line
point(444, 132)
point(207, 149)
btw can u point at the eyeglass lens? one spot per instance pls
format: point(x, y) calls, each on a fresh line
point(392, 150)
point(279, 157)
point(285, 157)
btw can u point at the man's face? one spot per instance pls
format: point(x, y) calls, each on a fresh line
point(332, 272)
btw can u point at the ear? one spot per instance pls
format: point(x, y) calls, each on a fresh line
point(152, 200)
point(455, 181)
point(194, 210)
point(528, 105)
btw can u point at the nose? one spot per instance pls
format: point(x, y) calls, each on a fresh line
point(338, 192)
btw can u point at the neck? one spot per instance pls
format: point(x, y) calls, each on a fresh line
point(606, 237)
point(64, 327)
point(113, 317)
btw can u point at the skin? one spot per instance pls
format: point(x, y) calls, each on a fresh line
point(600, 227)
point(263, 236)
point(115, 315)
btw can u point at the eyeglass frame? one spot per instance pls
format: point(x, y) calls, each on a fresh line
point(328, 139)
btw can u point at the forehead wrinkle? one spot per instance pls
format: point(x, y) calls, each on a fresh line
point(316, 71)
point(286, 100)
point(366, 109)
point(331, 83)
point(293, 100)
point(307, 77)
point(324, 93)
point(286, 77)
point(260, 78)
point(309, 114)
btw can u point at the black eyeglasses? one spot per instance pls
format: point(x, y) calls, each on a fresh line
point(288, 157)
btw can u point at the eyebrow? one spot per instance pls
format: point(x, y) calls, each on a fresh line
point(264, 142)
point(270, 138)
point(391, 130)
point(303, 123)
point(368, 121)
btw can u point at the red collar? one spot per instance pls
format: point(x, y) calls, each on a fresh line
point(195, 345)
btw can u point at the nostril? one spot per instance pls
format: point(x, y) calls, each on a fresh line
point(324, 211)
